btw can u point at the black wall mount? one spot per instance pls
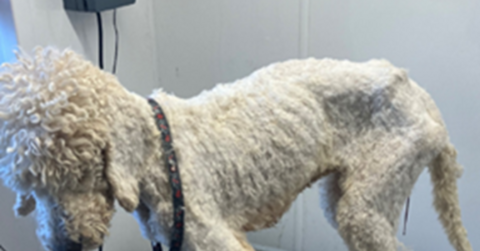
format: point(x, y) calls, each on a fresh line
point(95, 5)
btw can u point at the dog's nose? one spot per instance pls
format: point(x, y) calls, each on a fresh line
point(68, 245)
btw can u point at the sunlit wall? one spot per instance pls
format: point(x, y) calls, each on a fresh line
point(8, 38)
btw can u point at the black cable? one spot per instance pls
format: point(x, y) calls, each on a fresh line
point(1, 248)
point(114, 68)
point(406, 216)
point(100, 40)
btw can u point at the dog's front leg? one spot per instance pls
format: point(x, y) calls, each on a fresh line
point(242, 239)
point(214, 236)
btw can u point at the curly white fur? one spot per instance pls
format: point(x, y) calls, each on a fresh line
point(74, 139)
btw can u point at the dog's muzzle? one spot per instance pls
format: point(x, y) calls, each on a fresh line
point(68, 245)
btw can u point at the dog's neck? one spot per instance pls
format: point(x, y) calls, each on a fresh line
point(146, 158)
point(144, 151)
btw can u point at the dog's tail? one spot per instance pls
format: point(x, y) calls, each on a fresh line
point(444, 171)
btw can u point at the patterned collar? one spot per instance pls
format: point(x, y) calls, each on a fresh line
point(177, 230)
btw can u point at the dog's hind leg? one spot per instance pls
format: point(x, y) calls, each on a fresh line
point(363, 228)
point(374, 190)
point(330, 194)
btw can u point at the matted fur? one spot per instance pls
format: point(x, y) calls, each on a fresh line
point(73, 140)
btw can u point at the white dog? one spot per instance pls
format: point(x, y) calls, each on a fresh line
point(73, 140)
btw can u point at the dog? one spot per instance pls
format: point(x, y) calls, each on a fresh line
point(74, 141)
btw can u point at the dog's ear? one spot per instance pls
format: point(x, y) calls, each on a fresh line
point(24, 204)
point(123, 184)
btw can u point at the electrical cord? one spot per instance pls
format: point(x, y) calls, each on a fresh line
point(100, 40)
point(2, 248)
point(407, 206)
point(114, 68)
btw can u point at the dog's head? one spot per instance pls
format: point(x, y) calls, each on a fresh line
point(55, 148)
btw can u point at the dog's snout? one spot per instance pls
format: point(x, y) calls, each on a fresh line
point(68, 245)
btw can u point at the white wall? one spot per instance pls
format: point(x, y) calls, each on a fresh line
point(201, 43)
point(187, 46)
